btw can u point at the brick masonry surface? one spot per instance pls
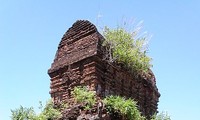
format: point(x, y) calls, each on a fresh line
point(79, 61)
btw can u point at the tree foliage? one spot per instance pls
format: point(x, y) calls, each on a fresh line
point(47, 113)
point(161, 116)
point(124, 47)
point(23, 113)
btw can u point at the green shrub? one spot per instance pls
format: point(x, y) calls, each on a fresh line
point(127, 108)
point(124, 47)
point(82, 95)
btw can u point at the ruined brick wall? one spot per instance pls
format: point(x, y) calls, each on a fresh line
point(113, 80)
point(74, 64)
point(79, 61)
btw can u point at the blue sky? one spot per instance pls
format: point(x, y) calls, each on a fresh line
point(30, 31)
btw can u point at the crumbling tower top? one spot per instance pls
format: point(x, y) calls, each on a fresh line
point(73, 46)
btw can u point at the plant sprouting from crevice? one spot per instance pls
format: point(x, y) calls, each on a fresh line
point(83, 95)
point(126, 107)
point(125, 47)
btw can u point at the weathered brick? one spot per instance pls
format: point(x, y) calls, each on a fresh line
point(79, 61)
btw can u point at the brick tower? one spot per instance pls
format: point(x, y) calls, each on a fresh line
point(80, 61)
